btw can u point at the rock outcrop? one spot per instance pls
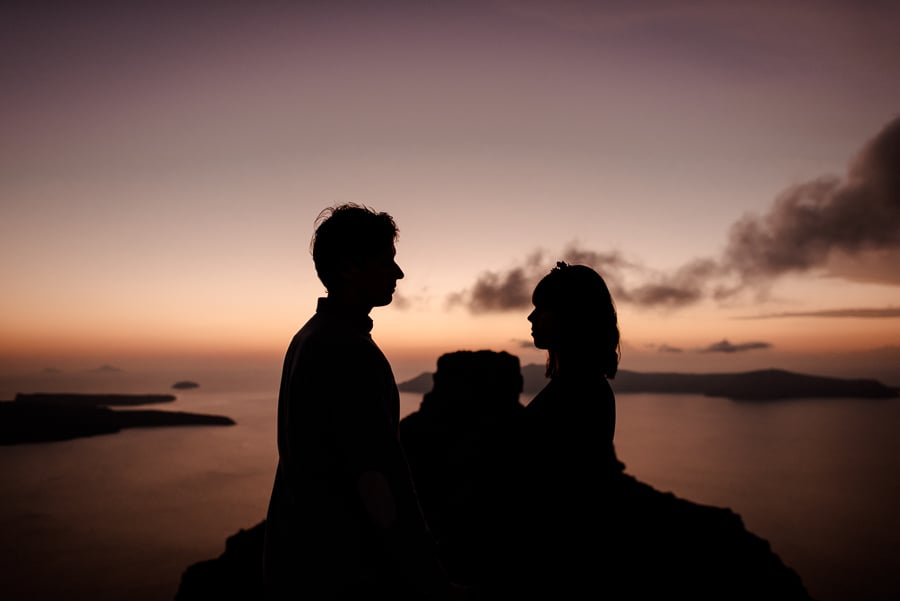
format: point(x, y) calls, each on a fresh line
point(235, 574)
point(460, 421)
point(615, 537)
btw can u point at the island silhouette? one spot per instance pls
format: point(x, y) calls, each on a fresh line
point(765, 384)
point(185, 385)
point(49, 417)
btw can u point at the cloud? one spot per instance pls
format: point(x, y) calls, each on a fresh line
point(665, 348)
point(723, 346)
point(498, 292)
point(859, 313)
point(877, 266)
point(812, 222)
point(494, 291)
point(684, 287)
point(846, 228)
point(401, 302)
point(511, 289)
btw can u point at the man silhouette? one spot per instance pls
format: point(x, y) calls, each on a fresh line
point(344, 521)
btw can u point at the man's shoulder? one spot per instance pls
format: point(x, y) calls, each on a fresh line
point(322, 332)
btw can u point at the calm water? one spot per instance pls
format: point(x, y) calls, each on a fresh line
point(121, 516)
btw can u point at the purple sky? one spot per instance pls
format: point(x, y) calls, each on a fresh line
point(161, 168)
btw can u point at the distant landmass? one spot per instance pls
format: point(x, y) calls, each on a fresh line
point(767, 384)
point(106, 369)
point(93, 400)
point(184, 385)
point(45, 417)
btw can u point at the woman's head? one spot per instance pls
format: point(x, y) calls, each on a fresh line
point(574, 318)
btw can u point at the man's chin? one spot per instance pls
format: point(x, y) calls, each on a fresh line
point(383, 302)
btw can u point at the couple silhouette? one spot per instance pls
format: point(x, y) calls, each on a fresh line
point(476, 496)
point(345, 520)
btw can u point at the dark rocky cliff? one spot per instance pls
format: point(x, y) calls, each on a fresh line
point(623, 538)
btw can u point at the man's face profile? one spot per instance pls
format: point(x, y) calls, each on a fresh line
point(376, 277)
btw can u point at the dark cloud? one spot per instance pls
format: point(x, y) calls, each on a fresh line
point(811, 222)
point(401, 301)
point(846, 228)
point(723, 346)
point(878, 266)
point(511, 289)
point(684, 287)
point(665, 348)
point(501, 291)
point(662, 295)
point(494, 291)
point(859, 313)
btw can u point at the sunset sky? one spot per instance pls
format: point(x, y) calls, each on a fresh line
point(732, 169)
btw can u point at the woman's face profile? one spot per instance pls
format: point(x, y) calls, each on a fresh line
point(544, 327)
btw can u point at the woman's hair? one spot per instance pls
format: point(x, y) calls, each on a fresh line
point(349, 233)
point(583, 307)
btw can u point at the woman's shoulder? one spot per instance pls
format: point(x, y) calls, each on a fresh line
point(562, 389)
point(584, 387)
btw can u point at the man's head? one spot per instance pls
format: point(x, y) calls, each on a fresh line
point(353, 251)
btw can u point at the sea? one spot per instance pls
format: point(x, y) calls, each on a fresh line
point(121, 516)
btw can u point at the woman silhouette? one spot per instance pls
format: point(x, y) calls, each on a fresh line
point(570, 424)
point(563, 519)
point(551, 498)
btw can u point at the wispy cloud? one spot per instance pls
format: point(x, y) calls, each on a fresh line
point(665, 348)
point(858, 313)
point(723, 346)
point(683, 287)
point(401, 301)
